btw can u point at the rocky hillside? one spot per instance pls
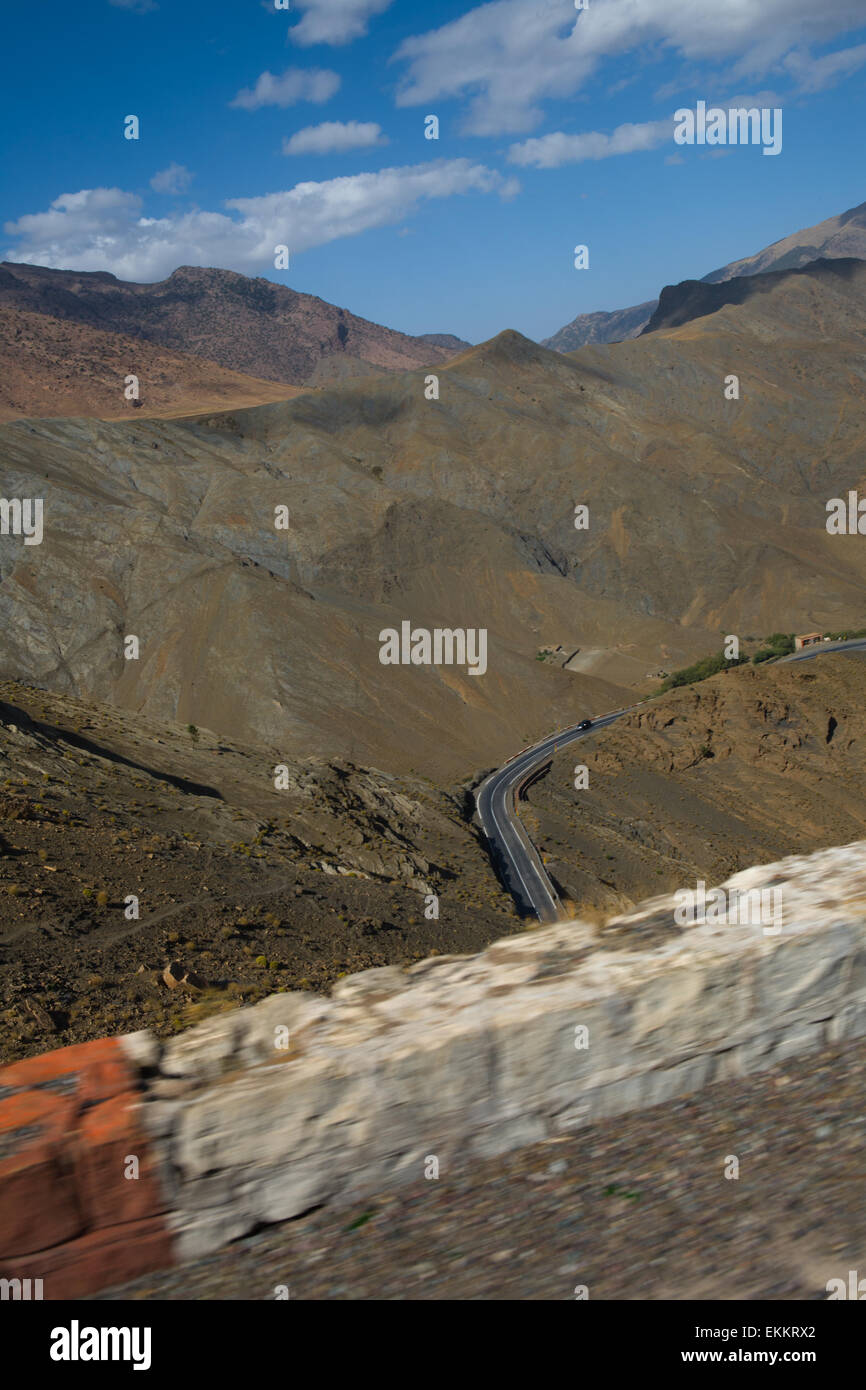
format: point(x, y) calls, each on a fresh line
point(705, 515)
point(790, 290)
point(249, 888)
point(51, 366)
point(744, 768)
point(602, 327)
point(841, 236)
point(252, 326)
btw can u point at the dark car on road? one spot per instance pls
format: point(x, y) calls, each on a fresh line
point(585, 724)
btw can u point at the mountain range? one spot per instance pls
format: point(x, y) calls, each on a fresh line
point(840, 236)
point(248, 331)
point(706, 516)
point(209, 339)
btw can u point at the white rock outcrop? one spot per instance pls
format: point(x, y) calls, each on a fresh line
point(265, 1112)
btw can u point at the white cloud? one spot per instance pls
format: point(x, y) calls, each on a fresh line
point(549, 151)
point(747, 99)
point(510, 55)
point(94, 222)
point(334, 21)
point(103, 228)
point(295, 84)
point(333, 137)
point(175, 179)
point(815, 74)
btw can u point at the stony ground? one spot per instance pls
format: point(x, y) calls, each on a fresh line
point(632, 1208)
point(741, 769)
point(252, 889)
point(258, 891)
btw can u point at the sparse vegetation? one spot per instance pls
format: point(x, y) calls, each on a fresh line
point(700, 670)
point(777, 644)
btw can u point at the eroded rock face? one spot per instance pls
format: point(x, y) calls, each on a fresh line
point(296, 1101)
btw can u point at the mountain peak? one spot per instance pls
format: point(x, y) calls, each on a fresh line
point(509, 347)
point(843, 236)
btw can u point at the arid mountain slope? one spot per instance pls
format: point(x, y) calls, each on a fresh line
point(841, 236)
point(54, 366)
point(742, 769)
point(252, 888)
point(603, 326)
point(253, 326)
point(694, 299)
point(705, 515)
point(256, 889)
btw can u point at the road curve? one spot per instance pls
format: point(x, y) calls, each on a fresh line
point(853, 644)
point(514, 855)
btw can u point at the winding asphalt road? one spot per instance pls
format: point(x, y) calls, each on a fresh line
point(515, 856)
point(820, 649)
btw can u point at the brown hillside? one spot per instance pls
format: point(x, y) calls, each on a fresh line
point(707, 517)
point(844, 235)
point(57, 367)
point(253, 326)
point(744, 768)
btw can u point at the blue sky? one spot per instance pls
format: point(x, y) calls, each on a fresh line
point(305, 127)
